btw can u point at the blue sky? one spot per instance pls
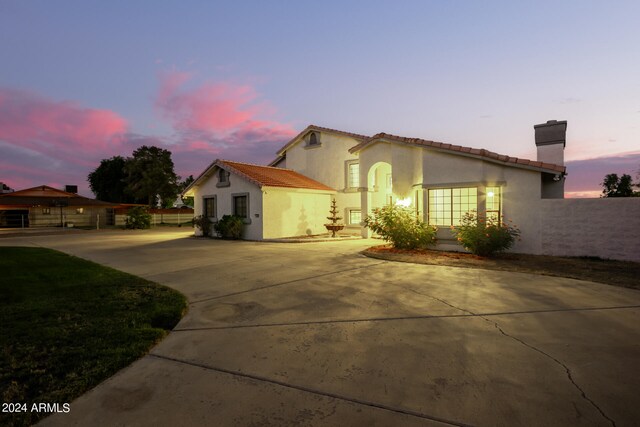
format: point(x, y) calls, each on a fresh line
point(235, 80)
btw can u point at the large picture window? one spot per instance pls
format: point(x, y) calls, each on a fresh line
point(210, 207)
point(448, 205)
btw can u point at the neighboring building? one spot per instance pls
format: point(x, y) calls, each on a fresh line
point(440, 181)
point(45, 206)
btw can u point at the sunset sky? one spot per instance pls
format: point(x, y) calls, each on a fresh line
point(85, 80)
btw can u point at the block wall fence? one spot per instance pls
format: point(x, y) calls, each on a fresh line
point(607, 227)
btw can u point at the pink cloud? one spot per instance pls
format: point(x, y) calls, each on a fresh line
point(220, 118)
point(32, 121)
point(45, 141)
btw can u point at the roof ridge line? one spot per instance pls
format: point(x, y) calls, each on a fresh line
point(253, 164)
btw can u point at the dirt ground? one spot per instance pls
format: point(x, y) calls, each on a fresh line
point(611, 272)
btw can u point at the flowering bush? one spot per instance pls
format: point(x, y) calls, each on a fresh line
point(400, 226)
point(484, 237)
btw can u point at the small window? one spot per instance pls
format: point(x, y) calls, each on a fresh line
point(79, 211)
point(313, 139)
point(241, 206)
point(46, 211)
point(353, 175)
point(209, 204)
point(493, 201)
point(222, 176)
point(355, 216)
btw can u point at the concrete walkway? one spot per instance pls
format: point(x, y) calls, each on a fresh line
point(316, 334)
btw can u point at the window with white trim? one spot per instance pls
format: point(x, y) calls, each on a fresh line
point(355, 216)
point(353, 174)
point(448, 205)
point(493, 203)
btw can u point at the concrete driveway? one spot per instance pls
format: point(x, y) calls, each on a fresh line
point(316, 334)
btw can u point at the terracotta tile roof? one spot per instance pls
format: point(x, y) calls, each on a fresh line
point(508, 160)
point(267, 176)
point(319, 129)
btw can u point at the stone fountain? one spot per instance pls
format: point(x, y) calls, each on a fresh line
point(334, 218)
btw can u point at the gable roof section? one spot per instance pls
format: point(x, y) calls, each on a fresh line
point(43, 195)
point(263, 176)
point(460, 150)
point(40, 191)
point(310, 128)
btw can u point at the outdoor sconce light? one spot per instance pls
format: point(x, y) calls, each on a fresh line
point(404, 202)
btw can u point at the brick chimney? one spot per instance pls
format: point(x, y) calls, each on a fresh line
point(551, 137)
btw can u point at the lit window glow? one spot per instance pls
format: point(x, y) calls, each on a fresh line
point(447, 206)
point(493, 203)
point(405, 203)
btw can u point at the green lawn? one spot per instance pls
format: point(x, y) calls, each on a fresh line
point(67, 324)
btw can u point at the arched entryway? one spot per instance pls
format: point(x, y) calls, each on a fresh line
point(380, 185)
point(382, 192)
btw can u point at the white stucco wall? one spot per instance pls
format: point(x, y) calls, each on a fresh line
point(294, 212)
point(415, 168)
point(521, 189)
point(252, 231)
point(607, 228)
point(326, 163)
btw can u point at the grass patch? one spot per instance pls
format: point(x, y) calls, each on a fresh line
point(67, 324)
point(611, 272)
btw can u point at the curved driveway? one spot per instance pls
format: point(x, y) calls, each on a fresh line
point(316, 334)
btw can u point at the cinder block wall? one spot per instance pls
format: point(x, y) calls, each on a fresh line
point(607, 228)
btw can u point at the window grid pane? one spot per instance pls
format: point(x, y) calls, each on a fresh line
point(493, 203)
point(210, 207)
point(448, 205)
point(354, 175)
point(355, 216)
point(240, 206)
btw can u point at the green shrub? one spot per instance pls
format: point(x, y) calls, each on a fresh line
point(484, 237)
point(138, 217)
point(401, 227)
point(229, 227)
point(203, 223)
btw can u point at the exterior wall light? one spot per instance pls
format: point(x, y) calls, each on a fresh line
point(405, 203)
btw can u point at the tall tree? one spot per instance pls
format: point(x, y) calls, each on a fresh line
point(108, 181)
point(614, 186)
point(150, 174)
